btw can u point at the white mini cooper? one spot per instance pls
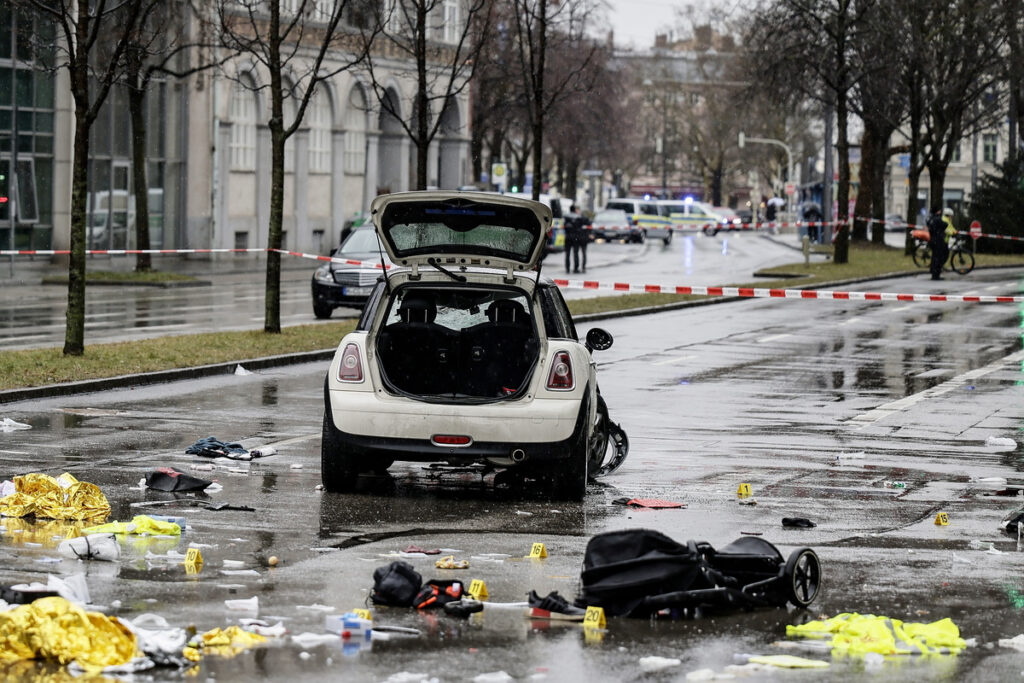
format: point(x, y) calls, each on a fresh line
point(464, 354)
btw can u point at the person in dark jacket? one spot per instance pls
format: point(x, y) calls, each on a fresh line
point(937, 242)
point(575, 239)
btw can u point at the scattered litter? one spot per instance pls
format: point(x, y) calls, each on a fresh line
point(91, 547)
point(414, 549)
point(318, 487)
point(859, 455)
point(1015, 643)
point(309, 640)
point(296, 466)
point(193, 544)
point(225, 642)
point(1013, 522)
point(48, 560)
point(57, 629)
point(323, 550)
point(348, 625)
point(264, 628)
point(652, 664)
point(1000, 443)
point(202, 467)
point(169, 556)
point(449, 562)
point(158, 639)
point(493, 677)
point(316, 607)
point(524, 513)
point(141, 525)
point(798, 523)
point(957, 558)
point(233, 564)
point(993, 551)
point(214, 488)
point(247, 605)
point(241, 372)
point(747, 501)
point(895, 484)
point(262, 451)
point(239, 572)
point(272, 560)
point(302, 655)
point(7, 488)
point(237, 470)
point(751, 533)
point(787, 662)
point(647, 503)
point(170, 479)
point(9, 425)
point(62, 498)
point(858, 634)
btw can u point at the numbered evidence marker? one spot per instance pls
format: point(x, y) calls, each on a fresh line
point(594, 618)
point(193, 561)
point(538, 551)
point(942, 519)
point(478, 590)
point(743, 491)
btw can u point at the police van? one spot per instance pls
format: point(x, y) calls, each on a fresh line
point(690, 215)
point(644, 214)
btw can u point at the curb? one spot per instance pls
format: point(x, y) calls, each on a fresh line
point(167, 284)
point(177, 374)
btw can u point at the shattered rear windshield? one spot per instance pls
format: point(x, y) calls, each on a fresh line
point(461, 227)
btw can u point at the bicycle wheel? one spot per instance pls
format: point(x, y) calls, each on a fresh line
point(961, 261)
point(922, 256)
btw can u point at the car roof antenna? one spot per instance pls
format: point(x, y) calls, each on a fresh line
point(384, 268)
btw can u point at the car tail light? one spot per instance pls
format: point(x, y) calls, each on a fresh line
point(351, 367)
point(451, 440)
point(560, 378)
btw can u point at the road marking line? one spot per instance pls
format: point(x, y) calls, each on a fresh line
point(773, 337)
point(669, 361)
point(992, 288)
point(882, 411)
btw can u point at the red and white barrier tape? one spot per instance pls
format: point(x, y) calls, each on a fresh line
point(127, 252)
point(904, 224)
point(761, 293)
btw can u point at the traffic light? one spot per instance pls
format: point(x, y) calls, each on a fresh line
point(5, 198)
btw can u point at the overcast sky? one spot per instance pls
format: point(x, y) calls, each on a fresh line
point(636, 21)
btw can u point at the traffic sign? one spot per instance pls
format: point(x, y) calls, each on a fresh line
point(790, 188)
point(499, 174)
point(975, 230)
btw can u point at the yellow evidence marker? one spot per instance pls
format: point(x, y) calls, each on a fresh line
point(538, 551)
point(478, 590)
point(744, 490)
point(942, 519)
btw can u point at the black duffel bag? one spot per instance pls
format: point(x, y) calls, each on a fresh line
point(396, 584)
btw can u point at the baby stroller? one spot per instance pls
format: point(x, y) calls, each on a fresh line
point(638, 572)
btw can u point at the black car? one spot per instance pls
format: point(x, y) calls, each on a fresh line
point(343, 282)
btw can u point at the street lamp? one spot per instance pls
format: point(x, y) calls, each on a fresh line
point(743, 139)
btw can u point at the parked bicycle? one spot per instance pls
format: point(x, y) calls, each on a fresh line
point(961, 258)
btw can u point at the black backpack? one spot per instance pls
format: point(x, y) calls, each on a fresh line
point(396, 584)
point(622, 568)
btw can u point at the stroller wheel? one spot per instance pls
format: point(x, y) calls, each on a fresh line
point(803, 576)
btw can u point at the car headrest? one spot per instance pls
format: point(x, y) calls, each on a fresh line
point(417, 309)
point(507, 311)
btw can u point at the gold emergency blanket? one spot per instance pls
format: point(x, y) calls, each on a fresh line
point(859, 634)
point(225, 642)
point(141, 525)
point(53, 628)
point(62, 498)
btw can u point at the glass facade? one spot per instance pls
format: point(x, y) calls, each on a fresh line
point(26, 129)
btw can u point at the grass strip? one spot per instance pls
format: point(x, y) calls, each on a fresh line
point(39, 367)
point(127, 277)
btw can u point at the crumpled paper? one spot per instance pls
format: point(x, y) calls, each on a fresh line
point(54, 628)
point(141, 525)
point(62, 498)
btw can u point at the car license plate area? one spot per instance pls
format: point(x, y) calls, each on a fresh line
point(355, 291)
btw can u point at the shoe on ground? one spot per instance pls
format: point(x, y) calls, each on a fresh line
point(576, 271)
point(463, 608)
point(937, 277)
point(553, 606)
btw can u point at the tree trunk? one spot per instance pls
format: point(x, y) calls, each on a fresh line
point(878, 185)
point(862, 208)
point(538, 96)
point(716, 181)
point(272, 297)
point(570, 171)
point(936, 181)
point(913, 205)
point(136, 102)
point(74, 332)
point(842, 243)
point(422, 139)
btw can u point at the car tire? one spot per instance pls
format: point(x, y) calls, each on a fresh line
point(668, 238)
point(322, 311)
point(569, 479)
point(339, 470)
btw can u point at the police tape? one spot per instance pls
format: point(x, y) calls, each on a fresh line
point(904, 224)
point(129, 252)
point(720, 226)
point(765, 293)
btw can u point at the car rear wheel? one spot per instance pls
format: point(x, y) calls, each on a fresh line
point(338, 470)
point(322, 311)
point(668, 238)
point(569, 479)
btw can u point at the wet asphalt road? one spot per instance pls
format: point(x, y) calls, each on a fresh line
point(815, 404)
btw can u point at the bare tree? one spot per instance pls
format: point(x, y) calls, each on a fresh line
point(537, 23)
point(302, 39)
point(442, 41)
point(94, 35)
point(159, 46)
point(807, 45)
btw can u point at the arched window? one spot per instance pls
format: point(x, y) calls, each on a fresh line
point(243, 130)
point(355, 132)
point(319, 117)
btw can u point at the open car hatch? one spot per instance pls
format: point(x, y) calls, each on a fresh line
point(461, 229)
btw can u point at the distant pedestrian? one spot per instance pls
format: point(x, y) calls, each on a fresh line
point(937, 242)
point(770, 210)
point(575, 240)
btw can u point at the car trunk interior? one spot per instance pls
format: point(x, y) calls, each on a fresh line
point(458, 343)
